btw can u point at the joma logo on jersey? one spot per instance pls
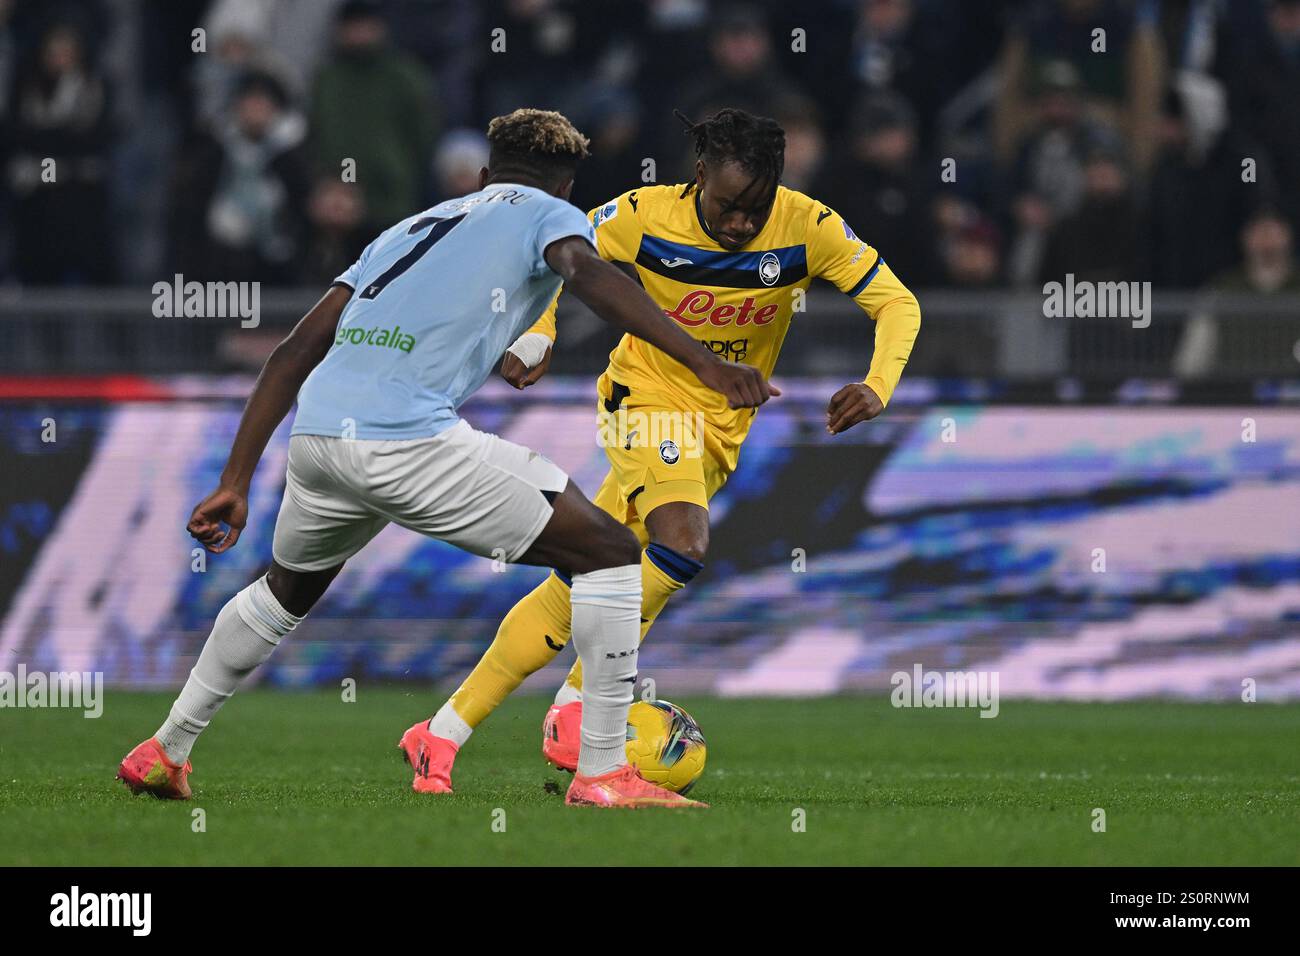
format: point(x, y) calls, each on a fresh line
point(380, 338)
point(699, 307)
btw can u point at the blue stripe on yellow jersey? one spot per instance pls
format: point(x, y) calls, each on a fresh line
point(741, 303)
point(739, 270)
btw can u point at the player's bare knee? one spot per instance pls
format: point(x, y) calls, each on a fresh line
point(696, 548)
point(298, 591)
point(611, 545)
point(692, 543)
point(281, 581)
point(622, 547)
point(682, 527)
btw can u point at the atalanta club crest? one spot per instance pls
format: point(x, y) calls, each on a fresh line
point(769, 268)
point(669, 451)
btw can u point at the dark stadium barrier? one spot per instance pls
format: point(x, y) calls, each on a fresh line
point(1191, 336)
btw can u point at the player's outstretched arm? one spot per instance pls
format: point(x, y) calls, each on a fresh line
point(528, 359)
point(622, 303)
point(273, 396)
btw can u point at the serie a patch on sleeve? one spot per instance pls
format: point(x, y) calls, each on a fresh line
point(605, 213)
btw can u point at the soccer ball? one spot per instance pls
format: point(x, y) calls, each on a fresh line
point(665, 744)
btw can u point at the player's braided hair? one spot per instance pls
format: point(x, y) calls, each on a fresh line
point(757, 143)
point(542, 144)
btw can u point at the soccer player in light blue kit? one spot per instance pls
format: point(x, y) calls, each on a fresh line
point(379, 367)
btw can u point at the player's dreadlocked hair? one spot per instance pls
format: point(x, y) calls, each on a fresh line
point(734, 136)
point(540, 144)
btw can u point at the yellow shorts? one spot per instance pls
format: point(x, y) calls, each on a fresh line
point(657, 454)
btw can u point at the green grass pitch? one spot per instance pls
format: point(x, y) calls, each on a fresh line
point(304, 778)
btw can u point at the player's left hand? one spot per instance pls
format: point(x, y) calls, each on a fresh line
point(852, 404)
point(228, 505)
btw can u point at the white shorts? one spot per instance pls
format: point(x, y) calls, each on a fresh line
point(463, 486)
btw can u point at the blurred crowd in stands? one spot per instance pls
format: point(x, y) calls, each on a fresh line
point(977, 143)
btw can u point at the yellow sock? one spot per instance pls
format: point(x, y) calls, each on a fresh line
point(657, 585)
point(534, 631)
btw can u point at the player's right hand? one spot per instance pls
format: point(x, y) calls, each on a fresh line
point(514, 371)
point(223, 505)
point(743, 384)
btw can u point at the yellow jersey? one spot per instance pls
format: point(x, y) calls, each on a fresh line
point(740, 303)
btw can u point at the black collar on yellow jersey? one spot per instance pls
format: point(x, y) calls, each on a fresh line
point(699, 216)
point(699, 213)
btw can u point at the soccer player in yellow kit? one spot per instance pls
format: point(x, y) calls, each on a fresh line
point(729, 257)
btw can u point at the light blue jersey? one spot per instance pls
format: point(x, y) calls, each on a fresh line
point(437, 300)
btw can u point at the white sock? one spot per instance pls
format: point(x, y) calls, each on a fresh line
point(245, 633)
point(606, 632)
point(448, 724)
point(567, 694)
